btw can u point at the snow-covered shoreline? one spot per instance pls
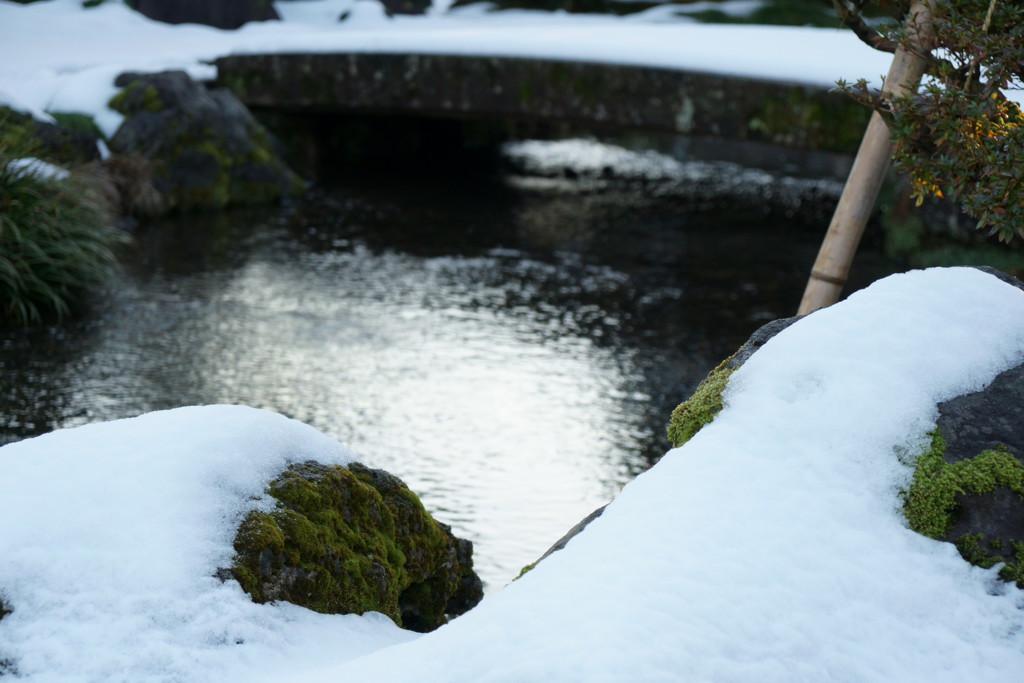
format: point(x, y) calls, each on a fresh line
point(770, 547)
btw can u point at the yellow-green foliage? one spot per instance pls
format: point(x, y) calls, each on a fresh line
point(136, 96)
point(930, 505)
point(701, 408)
point(349, 540)
point(525, 570)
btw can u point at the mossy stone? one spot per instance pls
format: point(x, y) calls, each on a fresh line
point(352, 540)
point(706, 401)
point(71, 141)
point(135, 97)
point(206, 149)
point(940, 490)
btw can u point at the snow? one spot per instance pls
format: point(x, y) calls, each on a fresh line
point(38, 167)
point(56, 56)
point(768, 548)
point(112, 534)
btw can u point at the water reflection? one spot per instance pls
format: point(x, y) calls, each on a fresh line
point(510, 349)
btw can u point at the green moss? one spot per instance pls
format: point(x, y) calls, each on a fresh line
point(701, 408)
point(306, 534)
point(972, 548)
point(349, 540)
point(78, 121)
point(525, 570)
point(986, 554)
point(136, 96)
point(218, 178)
point(1013, 570)
point(63, 144)
point(930, 504)
point(15, 130)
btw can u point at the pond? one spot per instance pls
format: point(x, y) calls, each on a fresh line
point(509, 343)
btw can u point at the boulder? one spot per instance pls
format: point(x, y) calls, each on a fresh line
point(205, 148)
point(706, 401)
point(227, 14)
point(968, 485)
point(351, 539)
point(75, 141)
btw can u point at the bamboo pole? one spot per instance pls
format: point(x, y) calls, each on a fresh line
point(831, 268)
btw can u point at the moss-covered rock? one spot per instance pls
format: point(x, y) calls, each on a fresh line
point(206, 149)
point(977, 503)
point(968, 484)
point(351, 540)
point(71, 140)
point(701, 408)
point(706, 401)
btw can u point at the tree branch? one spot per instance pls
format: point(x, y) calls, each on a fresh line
point(849, 14)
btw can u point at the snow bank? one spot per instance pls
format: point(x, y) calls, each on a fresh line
point(110, 536)
point(771, 546)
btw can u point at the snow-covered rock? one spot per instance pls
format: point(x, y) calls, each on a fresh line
point(770, 547)
point(206, 149)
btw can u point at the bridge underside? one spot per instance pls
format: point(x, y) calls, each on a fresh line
point(588, 96)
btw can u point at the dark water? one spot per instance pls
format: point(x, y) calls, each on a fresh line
point(510, 345)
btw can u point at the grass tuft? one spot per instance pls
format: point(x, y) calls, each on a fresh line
point(56, 240)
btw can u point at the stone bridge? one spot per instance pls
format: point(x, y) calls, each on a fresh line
point(587, 96)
